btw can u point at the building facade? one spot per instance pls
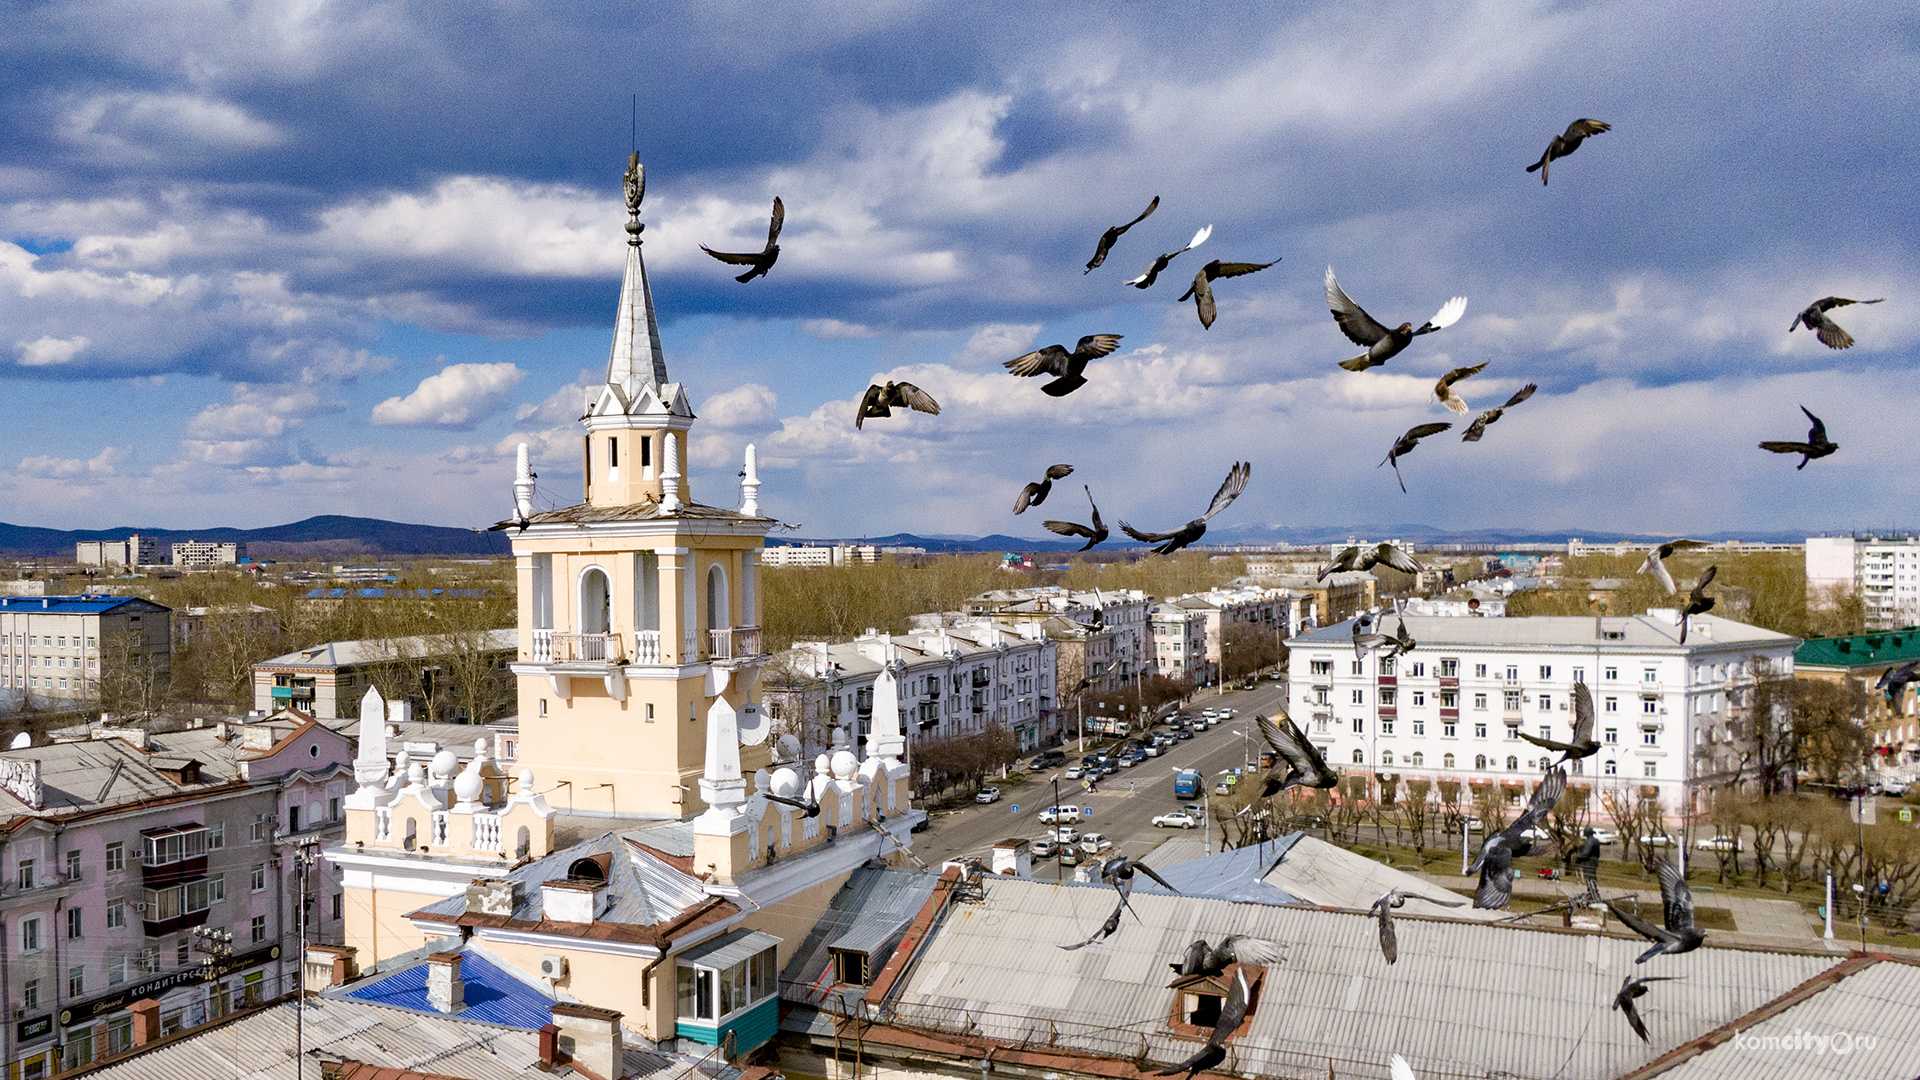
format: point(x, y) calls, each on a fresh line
point(54, 649)
point(1857, 661)
point(831, 554)
point(1180, 643)
point(1884, 571)
point(327, 680)
point(1336, 597)
point(1454, 707)
point(1279, 612)
point(202, 554)
point(135, 550)
point(1122, 613)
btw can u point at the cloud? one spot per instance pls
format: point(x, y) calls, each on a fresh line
point(743, 406)
point(837, 329)
point(105, 463)
point(997, 342)
point(456, 397)
point(151, 125)
point(48, 351)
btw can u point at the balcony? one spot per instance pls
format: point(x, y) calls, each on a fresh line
point(734, 643)
point(1449, 682)
point(555, 647)
point(1387, 680)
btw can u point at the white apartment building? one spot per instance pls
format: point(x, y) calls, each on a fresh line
point(1124, 613)
point(1454, 707)
point(953, 679)
point(1577, 547)
point(135, 550)
point(1884, 570)
point(200, 554)
point(1277, 611)
point(52, 647)
point(831, 554)
point(1180, 643)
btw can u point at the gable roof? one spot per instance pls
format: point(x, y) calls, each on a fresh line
point(492, 994)
point(83, 604)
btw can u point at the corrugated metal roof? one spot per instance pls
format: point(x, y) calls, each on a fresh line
point(641, 890)
point(1234, 874)
point(871, 899)
point(1866, 1026)
point(493, 995)
point(887, 903)
point(724, 952)
point(1466, 999)
point(371, 650)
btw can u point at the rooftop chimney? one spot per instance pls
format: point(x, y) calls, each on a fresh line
point(493, 896)
point(444, 989)
point(588, 1036)
point(1013, 857)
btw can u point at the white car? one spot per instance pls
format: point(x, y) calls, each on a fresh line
point(1717, 843)
point(1176, 819)
point(1060, 813)
point(1228, 714)
point(1043, 848)
point(1094, 843)
point(1075, 772)
point(1895, 788)
point(1064, 834)
point(987, 795)
point(1656, 840)
point(1606, 836)
point(1153, 749)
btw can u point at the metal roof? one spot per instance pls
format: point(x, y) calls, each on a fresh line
point(1868, 1021)
point(1860, 650)
point(1234, 874)
point(1466, 999)
point(641, 890)
point(84, 604)
point(731, 949)
point(333, 654)
point(492, 994)
point(74, 776)
point(1645, 631)
point(874, 904)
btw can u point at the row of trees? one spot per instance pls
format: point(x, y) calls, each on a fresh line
point(1768, 590)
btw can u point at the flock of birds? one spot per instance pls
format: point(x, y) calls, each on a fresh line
point(1298, 763)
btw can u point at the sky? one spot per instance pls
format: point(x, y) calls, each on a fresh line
point(260, 262)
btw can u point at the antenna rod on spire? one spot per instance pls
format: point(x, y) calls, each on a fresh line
point(633, 124)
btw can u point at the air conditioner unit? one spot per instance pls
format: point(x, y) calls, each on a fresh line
point(553, 967)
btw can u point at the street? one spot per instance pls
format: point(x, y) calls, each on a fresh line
point(1125, 804)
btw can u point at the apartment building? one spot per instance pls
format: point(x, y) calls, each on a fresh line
point(1883, 569)
point(1576, 547)
point(328, 680)
point(831, 554)
point(1336, 597)
point(1122, 613)
point(1455, 706)
point(1180, 643)
point(135, 550)
point(204, 554)
point(118, 851)
point(1858, 660)
point(52, 648)
point(954, 677)
point(1280, 612)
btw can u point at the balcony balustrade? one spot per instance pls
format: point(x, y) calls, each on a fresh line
point(733, 643)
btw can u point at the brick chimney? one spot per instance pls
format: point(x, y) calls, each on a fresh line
point(146, 1021)
point(444, 990)
point(589, 1037)
point(1013, 858)
point(328, 965)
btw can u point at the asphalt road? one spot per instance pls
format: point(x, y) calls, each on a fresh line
point(1126, 802)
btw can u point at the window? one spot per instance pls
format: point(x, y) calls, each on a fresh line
point(1446, 761)
point(293, 819)
point(1359, 758)
point(1418, 759)
point(1321, 667)
point(333, 808)
point(1419, 726)
point(1359, 667)
point(1449, 729)
point(1546, 702)
point(116, 856)
point(1650, 769)
point(1546, 671)
point(1546, 731)
point(1419, 697)
point(216, 889)
point(76, 981)
point(1449, 699)
point(1480, 702)
point(174, 901)
point(1649, 737)
point(1418, 669)
point(1513, 763)
point(116, 914)
point(1358, 725)
point(23, 874)
point(1610, 673)
point(339, 898)
point(1611, 704)
point(1479, 729)
point(259, 831)
point(613, 453)
point(120, 1035)
point(1359, 697)
point(1479, 761)
point(167, 846)
point(1479, 671)
point(258, 929)
point(1386, 727)
point(1389, 695)
point(646, 451)
point(1386, 757)
point(1579, 674)
point(1510, 700)
point(75, 921)
point(216, 837)
point(1449, 668)
point(1650, 676)
point(73, 866)
point(1612, 736)
point(1650, 707)
point(1611, 769)
point(116, 970)
point(1386, 665)
point(77, 1048)
point(30, 934)
point(30, 994)
point(258, 880)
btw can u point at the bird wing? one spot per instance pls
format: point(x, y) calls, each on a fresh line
point(736, 258)
point(1151, 207)
point(1547, 744)
point(1243, 949)
point(1479, 425)
point(1495, 891)
point(1400, 1070)
point(1817, 433)
point(1424, 898)
point(1163, 882)
point(1146, 537)
point(1098, 525)
point(1397, 558)
point(1237, 269)
point(1520, 395)
point(1353, 320)
point(1233, 1010)
point(1199, 237)
point(1625, 1003)
point(917, 399)
point(1448, 314)
point(1676, 899)
point(1638, 925)
point(1059, 472)
point(1230, 489)
point(1779, 446)
point(1583, 128)
point(779, 219)
point(1106, 928)
point(1025, 498)
point(1459, 373)
point(1051, 360)
point(784, 801)
point(1546, 796)
point(1421, 431)
point(1095, 346)
point(1389, 946)
point(1582, 713)
point(1706, 579)
point(1287, 740)
point(1343, 561)
point(1657, 566)
point(874, 397)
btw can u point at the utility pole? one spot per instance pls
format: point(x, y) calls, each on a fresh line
point(215, 948)
point(303, 857)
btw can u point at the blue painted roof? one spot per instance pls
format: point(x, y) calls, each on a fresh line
point(493, 996)
point(88, 604)
point(1234, 874)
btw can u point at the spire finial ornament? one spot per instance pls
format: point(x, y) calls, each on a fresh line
point(636, 182)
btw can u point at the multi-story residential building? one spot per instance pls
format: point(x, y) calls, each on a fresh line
point(1577, 547)
point(53, 648)
point(1468, 603)
point(1279, 612)
point(954, 675)
point(1336, 597)
point(135, 550)
point(116, 850)
point(1123, 613)
point(833, 554)
point(1883, 570)
point(327, 680)
point(191, 626)
point(200, 554)
point(1455, 706)
point(636, 869)
point(1180, 643)
point(1858, 661)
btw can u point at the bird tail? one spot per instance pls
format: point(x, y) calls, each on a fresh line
point(1535, 167)
point(1357, 363)
point(1455, 405)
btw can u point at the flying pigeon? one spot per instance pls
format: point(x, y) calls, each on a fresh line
point(1676, 935)
point(1893, 682)
point(1114, 233)
point(1067, 367)
point(1204, 959)
point(1815, 319)
point(1583, 744)
point(1816, 446)
point(1094, 533)
point(1566, 143)
point(1169, 542)
point(1152, 273)
point(1201, 291)
point(1404, 445)
point(1233, 1011)
point(1400, 642)
point(1444, 388)
point(1297, 761)
point(1381, 343)
point(1698, 602)
point(1480, 423)
point(1632, 989)
point(1587, 859)
point(757, 262)
point(1355, 557)
point(1657, 557)
point(1364, 635)
point(882, 399)
point(1384, 908)
point(1495, 861)
point(1036, 491)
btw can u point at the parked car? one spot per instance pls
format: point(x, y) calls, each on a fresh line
point(1656, 840)
point(987, 795)
point(1075, 772)
point(1056, 814)
point(1128, 761)
point(1222, 787)
point(1227, 714)
point(1718, 843)
point(1069, 855)
point(1183, 734)
point(1043, 848)
point(1154, 750)
point(1064, 834)
point(1606, 836)
point(1474, 825)
point(1895, 788)
point(1094, 843)
point(1048, 759)
point(1176, 819)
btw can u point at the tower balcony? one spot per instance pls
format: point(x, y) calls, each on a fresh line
point(734, 644)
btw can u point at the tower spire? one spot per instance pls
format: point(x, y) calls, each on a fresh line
point(636, 359)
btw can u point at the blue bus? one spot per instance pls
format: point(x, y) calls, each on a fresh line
point(1186, 784)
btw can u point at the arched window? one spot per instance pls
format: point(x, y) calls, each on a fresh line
point(1513, 763)
point(1386, 757)
point(1359, 758)
point(718, 617)
point(522, 843)
point(1419, 759)
point(596, 602)
point(411, 838)
point(1479, 761)
point(1446, 761)
point(592, 869)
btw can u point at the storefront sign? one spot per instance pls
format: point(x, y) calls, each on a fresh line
point(39, 1027)
point(82, 1011)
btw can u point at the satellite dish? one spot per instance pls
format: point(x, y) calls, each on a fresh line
point(752, 725)
point(789, 745)
point(21, 741)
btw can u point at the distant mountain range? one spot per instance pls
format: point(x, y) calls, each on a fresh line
point(326, 536)
point(1419, 535)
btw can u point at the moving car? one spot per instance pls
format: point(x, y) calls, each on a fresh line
point(1154, 750)
point(987, 795)
point(1606, 836)
point(1656, 840)
point(1061, 813)
point(1064, 834)
point(1069, 855)
point(1718, 843)
point(1094, 843)
point(1043, 848)
point(1176, 819)
point(1075, 772)
point(1186, 783)
point(1048, 759)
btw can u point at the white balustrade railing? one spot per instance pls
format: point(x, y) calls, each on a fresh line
point(382, 823)
point(734, 643)
point(439, 827)
point(543, 646)
point(486, 832)
point(647, 647)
